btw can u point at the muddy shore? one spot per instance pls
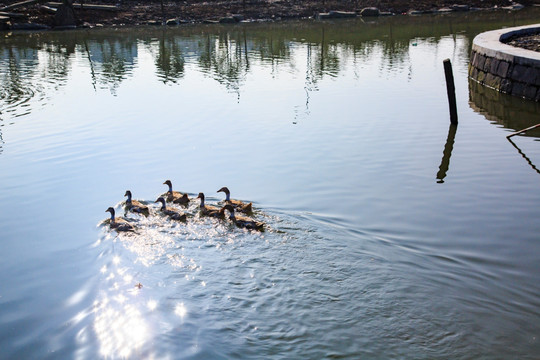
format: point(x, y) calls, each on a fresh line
point(133, 12)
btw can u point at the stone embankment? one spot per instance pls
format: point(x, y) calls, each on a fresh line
point(505, 68)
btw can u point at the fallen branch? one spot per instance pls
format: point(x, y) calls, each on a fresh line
point(522, 131)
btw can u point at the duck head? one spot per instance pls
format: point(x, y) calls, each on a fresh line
point(231, 211)
point(111, 210)
point(169, 184)
point(201, 196)
point(162, 201)
point(128, 194)
point(226, 191)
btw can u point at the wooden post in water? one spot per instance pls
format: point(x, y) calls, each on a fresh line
point(451, 90)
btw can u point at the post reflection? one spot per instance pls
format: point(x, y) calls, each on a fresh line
point(447, 153)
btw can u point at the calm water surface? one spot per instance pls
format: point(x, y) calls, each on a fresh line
point(389, 233)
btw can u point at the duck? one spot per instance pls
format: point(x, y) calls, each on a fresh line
point(237, 204)
point(243, 221)
point(175, 196)
point(118, 223)
point(172, 213)
point(136, 206)
point(209, 210)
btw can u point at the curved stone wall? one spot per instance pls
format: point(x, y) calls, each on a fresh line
point(506, 68)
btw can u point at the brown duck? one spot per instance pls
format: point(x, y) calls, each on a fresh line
point(244, 221)
point(170, 212)
point(175, 196)
point(237, 204)
point(135, 206)
point(209, 210)
point(118, 223)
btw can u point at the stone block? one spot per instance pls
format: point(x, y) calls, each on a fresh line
point(493, 81)
point(481, 76)
point(530, 92)
point(487, 64)
point(518, 89)
point(506, 86)
point(473, 72)
point(480, 62)
point(502, 69)
point(494, 66)
point(531, 74)
point(518, 73)
point(472, 59)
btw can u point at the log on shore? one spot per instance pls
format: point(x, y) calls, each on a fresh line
point(85, 6)
point(19, 4)
point(13, 15)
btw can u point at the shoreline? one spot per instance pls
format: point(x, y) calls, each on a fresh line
point(44, 15)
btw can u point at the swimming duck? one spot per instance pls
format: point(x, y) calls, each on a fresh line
point(244, 221)
point(237, 204)
point(135, 206)
point(175, 196)
point(209, 210)
point(172, 213)
point(118, 223)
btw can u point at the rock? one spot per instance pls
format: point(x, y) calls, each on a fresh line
point(171, 22)
point(444, 10)
point(457, 7)
point(238, 17)
point(513, 7)
point(154, 22)
point(227, 20)
point(370, 11)
point(342, 14)
point(336, 15)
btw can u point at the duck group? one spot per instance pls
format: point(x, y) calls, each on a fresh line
point(175, 198)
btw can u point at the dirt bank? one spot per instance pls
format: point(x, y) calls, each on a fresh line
point(132, 12)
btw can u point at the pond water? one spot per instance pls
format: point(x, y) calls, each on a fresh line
point(389, 233)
